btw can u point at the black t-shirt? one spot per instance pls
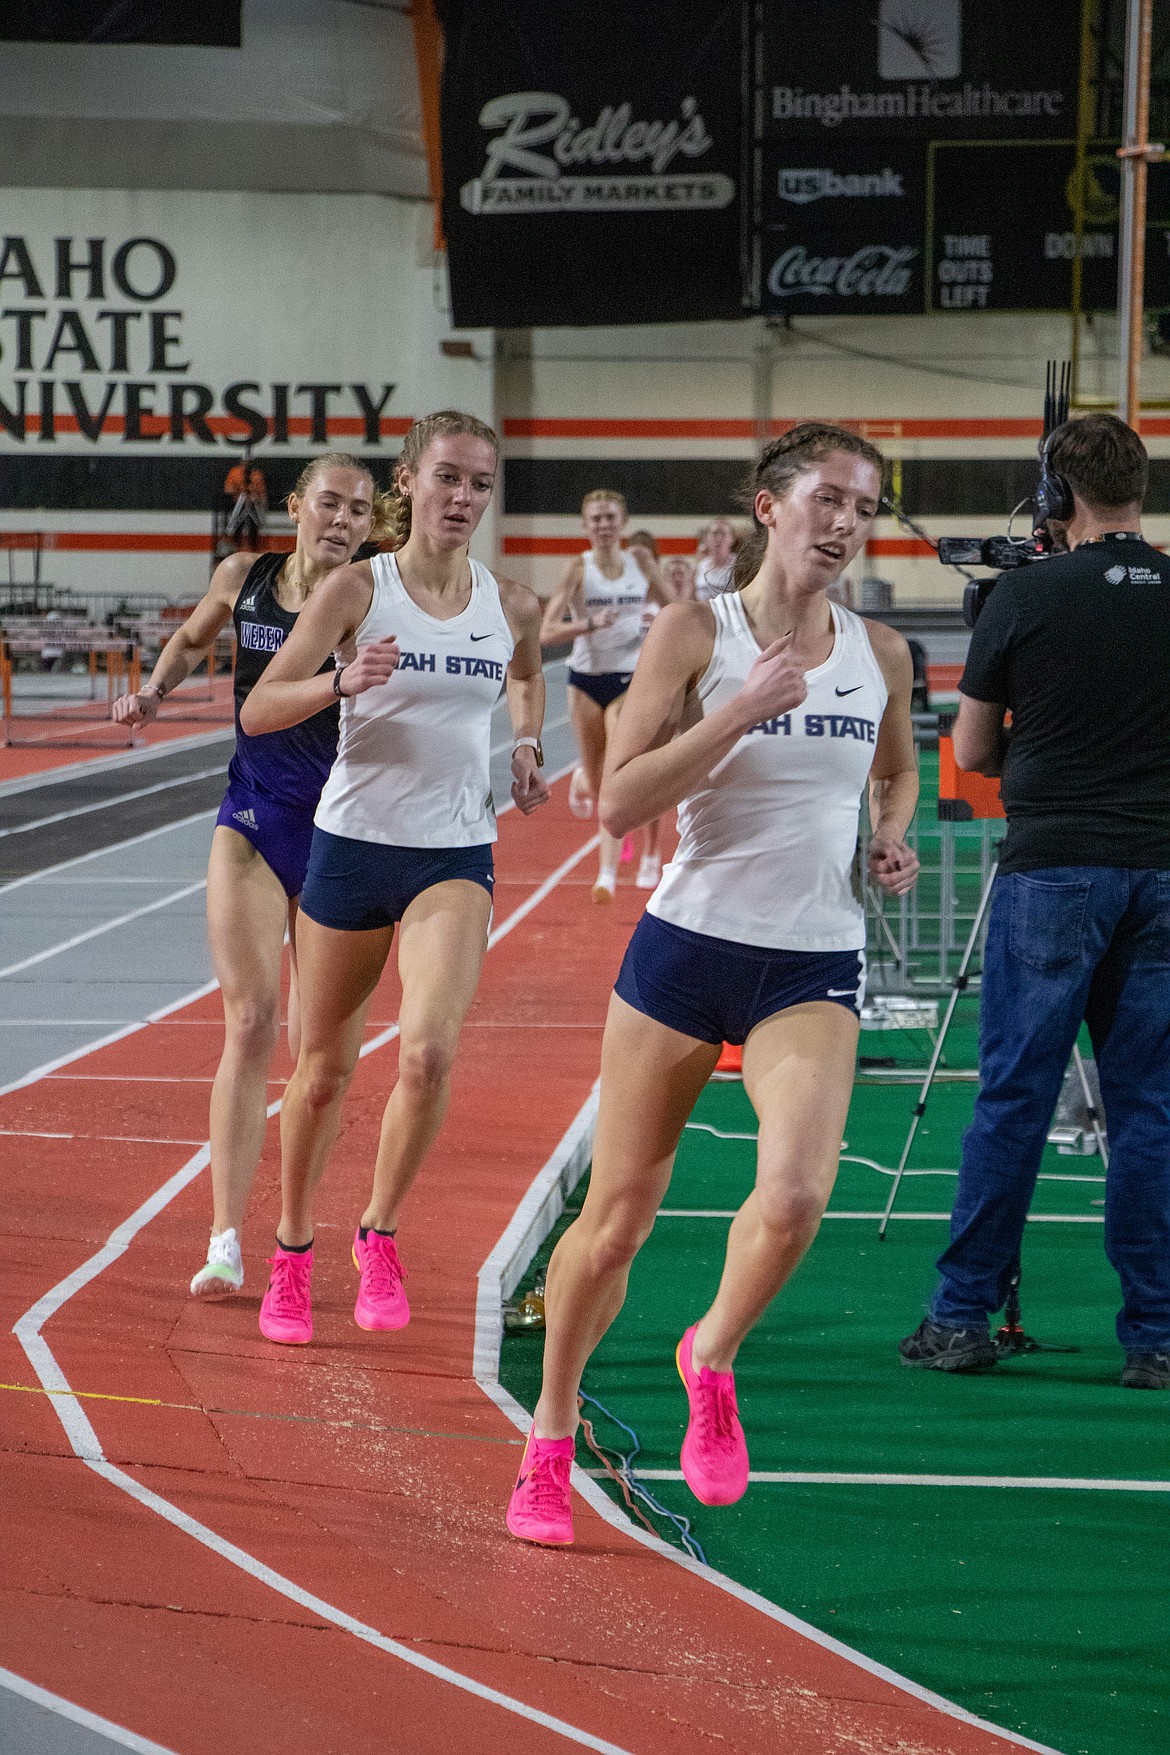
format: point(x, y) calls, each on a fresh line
point(1078, 647)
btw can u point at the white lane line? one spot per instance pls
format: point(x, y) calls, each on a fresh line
point(498, 749)
point(78, 1715)
point(81, 938)
point(34, 877)
point(507, 1262)
point(52, 1068)
point(110, 803)
point(87, 1447)
point(883, 1169)
point(110, 1139)
point(120, 759)
point(836, 1213)
point(797, 1478)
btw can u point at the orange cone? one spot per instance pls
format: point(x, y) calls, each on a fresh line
point(730, 1062)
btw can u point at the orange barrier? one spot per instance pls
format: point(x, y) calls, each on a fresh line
point(963, 797)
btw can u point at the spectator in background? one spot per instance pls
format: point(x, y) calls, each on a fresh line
point(247, 494)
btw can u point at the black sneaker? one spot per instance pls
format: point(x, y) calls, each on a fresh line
point(935, 1348)
point(1146, 1371)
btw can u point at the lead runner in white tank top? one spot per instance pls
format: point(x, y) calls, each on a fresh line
point(766, 845)
point(762, 716)
point(402, 843)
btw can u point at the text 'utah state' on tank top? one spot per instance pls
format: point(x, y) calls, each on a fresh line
point(412, 766)
point(613, 649)
point(766, 846)
point(289, 765)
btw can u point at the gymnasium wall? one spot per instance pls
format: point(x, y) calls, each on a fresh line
point(145, 335)
point(670, 416)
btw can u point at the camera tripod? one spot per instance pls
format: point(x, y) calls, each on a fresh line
point(1011, 1337)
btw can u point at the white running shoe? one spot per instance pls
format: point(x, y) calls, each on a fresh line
point(605, 886)
point(224, 1271)
point(649, 872)
point(580, 797)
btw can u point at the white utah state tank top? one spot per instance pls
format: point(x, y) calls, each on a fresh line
point(412, 766)
point(616, 648)
point(766, 846)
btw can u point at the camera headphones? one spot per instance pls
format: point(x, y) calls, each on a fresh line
point(1053, 497)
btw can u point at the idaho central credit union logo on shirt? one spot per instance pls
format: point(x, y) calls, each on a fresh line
point(624, 160)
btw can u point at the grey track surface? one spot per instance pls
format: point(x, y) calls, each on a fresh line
point(73, 969)
point(94, 810)
point(29, 1728)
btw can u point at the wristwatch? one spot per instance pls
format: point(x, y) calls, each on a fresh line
point(530, 743)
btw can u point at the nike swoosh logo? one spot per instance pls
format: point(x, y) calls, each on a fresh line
point(851, 691)
point(488, 637)
point(841, 992)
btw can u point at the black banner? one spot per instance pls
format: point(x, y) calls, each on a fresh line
point(1004, 234)
point(211, 23)
point(841, 226)
point(592, 161)
point(919, 69)
point(875, 191)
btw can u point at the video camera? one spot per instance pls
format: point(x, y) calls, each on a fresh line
point(1050, 500)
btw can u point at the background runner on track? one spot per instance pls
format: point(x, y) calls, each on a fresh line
point(601, 605)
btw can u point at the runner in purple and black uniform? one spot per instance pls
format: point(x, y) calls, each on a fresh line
point(260, 846)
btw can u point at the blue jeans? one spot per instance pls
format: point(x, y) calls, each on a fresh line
point(1065, 944)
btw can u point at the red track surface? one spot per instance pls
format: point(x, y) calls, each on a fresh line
point(103, 738)
point(371, 1470)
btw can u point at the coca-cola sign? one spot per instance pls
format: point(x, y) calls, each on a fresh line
point(875, 271)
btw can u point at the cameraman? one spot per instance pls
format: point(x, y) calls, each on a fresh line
point(1078, 648)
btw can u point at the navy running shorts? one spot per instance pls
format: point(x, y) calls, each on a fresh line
point(609, 685)
point(280, 833)
point(357, 886)
point(717, 990)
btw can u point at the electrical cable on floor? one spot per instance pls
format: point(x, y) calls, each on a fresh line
point(622, 1474)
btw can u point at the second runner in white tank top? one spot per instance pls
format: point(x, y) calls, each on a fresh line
point(615, 648)
point(766, 847)
point(412, 766)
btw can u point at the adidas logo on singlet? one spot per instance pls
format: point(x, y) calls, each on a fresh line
point(247, 817)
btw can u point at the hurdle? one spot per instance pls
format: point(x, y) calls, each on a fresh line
point(71, 709)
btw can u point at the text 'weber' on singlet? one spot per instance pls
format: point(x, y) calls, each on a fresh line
point(290, 765)
point(766, 845)
point(613, 649)
point(413, 760)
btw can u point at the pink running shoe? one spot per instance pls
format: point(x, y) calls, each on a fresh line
point(714, 1452)
point(381, 1300)
point(540, 1509)
point(286, 1313)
